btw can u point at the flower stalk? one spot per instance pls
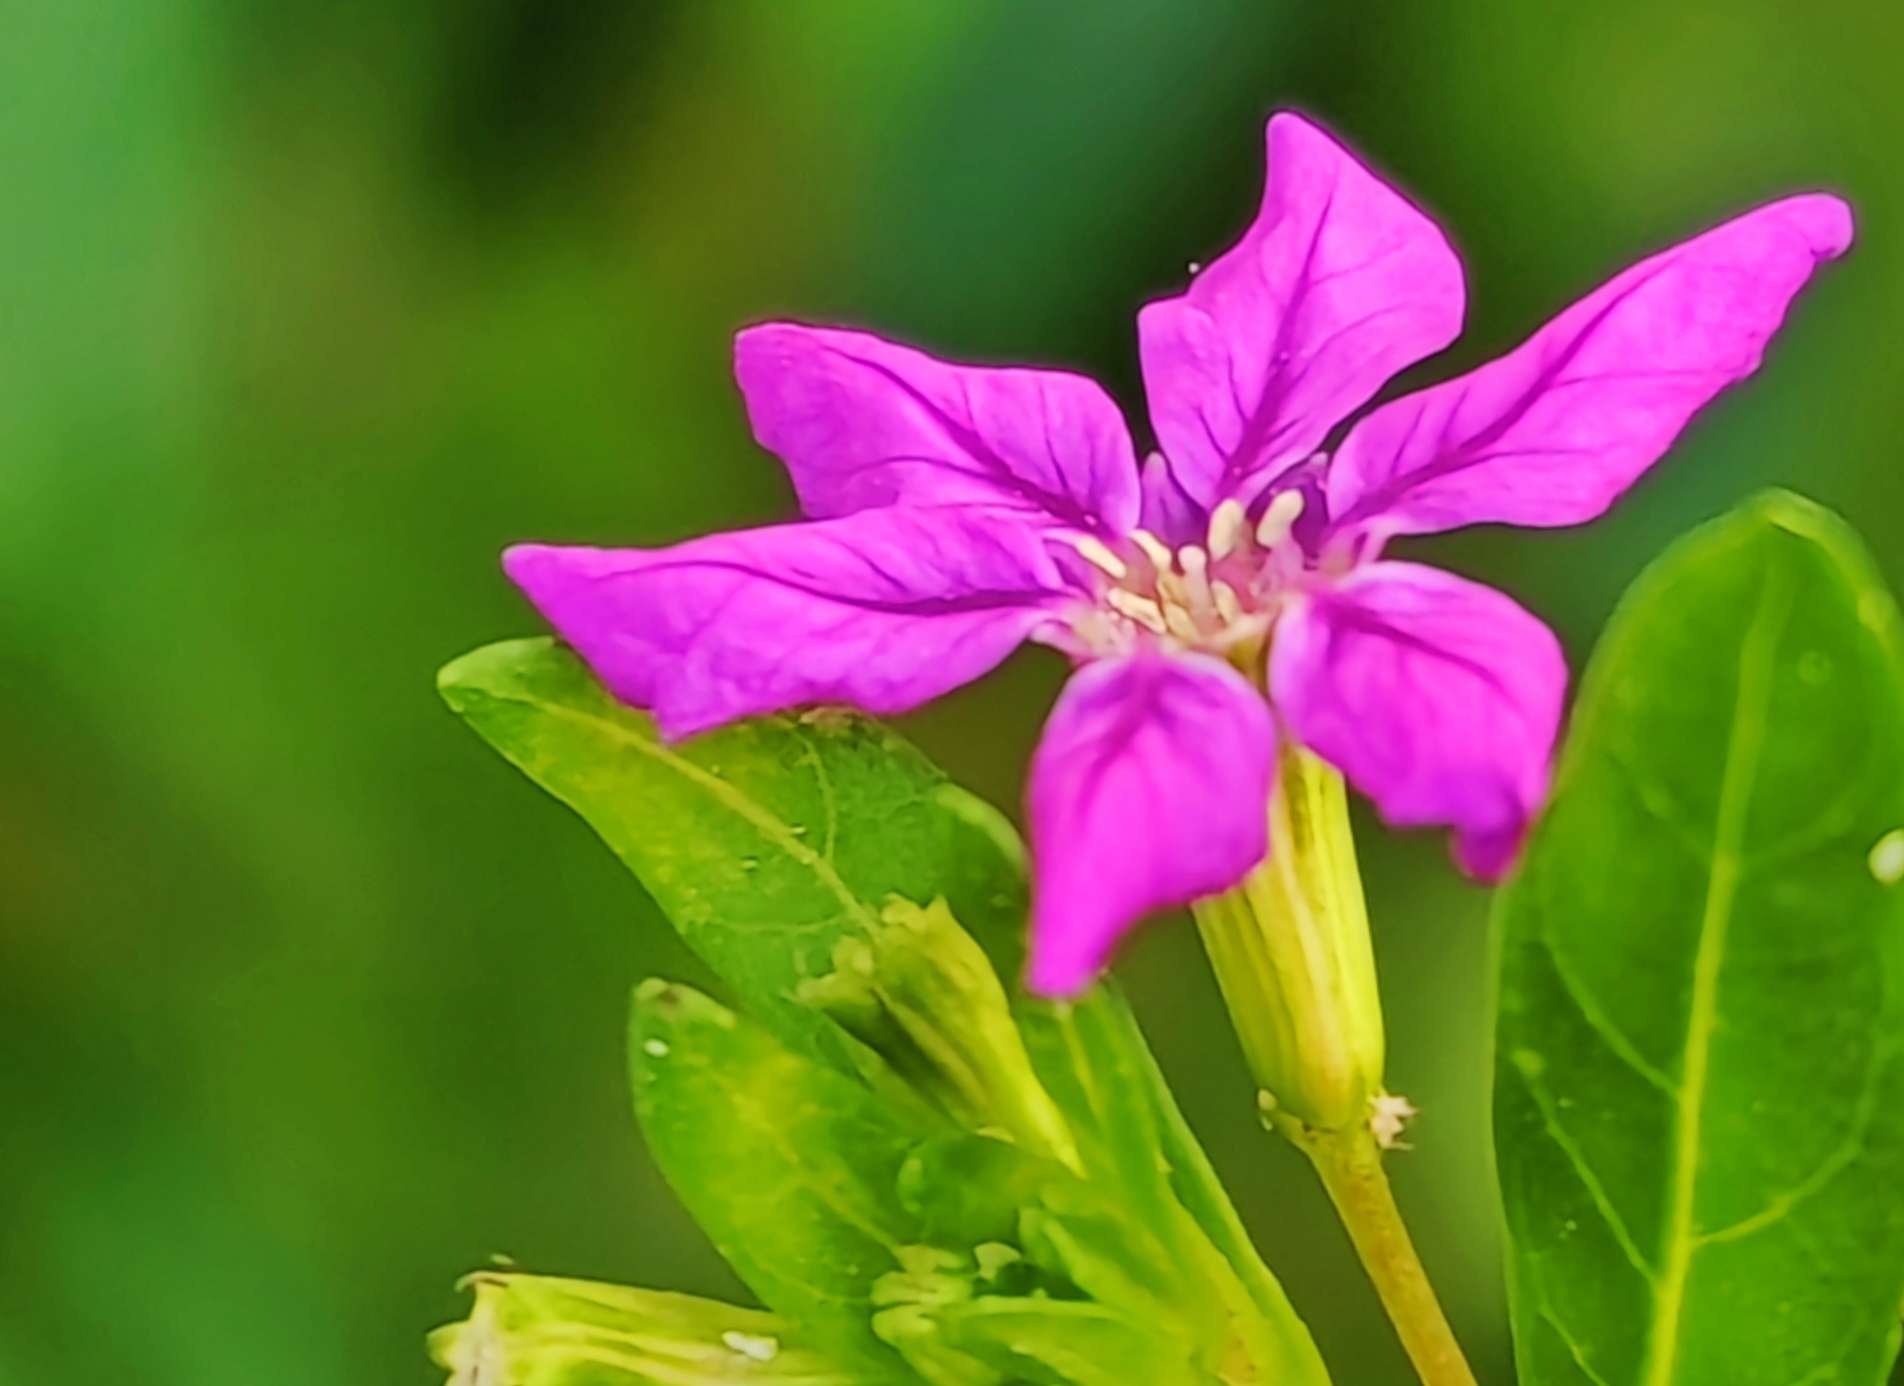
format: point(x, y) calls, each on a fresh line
point(1291, 951)
point(1349, 1163)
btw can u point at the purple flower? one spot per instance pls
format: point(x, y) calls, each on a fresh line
point(1231, 592)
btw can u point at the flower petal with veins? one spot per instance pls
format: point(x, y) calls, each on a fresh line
point(1553, 432)
point(862, 422)
point(1438, 698)
point(1338, 284)
point(1148, 789)
point(884, 610)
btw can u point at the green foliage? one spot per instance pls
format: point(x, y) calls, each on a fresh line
point(933, 1176)
point(918, 990)
point(536, 1330)
point(791, 1167)
point(1700, 1105)
point(768, 843)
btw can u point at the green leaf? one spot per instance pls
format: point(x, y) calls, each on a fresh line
point(1044, 1342)
point(779, 848)
point(766, 843)
point(791, 1168)
point(1134, 1139)
point(1699, 1102)
point(969, 1190)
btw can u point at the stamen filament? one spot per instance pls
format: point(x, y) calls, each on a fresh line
point(1196, 576)
point(1229, 607)
point(1229, 522)
point(1180, 624)
point(1279, 518)
point(1095, 552)
point(1153, 548)
point(1140, 609)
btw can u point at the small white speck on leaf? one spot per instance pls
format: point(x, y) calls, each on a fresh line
point(1887, 857)
point(756, 1346)
point(1196, 267)
point(655, 1048)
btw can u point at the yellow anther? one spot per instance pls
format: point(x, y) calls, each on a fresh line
point(1180, 625)
point(1228, 606)
point(1228, 524)
point(1153, 548)
point(1094, 551)
point(1140, 609)
point(1277, 520)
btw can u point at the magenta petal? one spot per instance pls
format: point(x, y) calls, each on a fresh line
point(1149, 789)
point(1438, 698)
point(1552, 433)
point(862, 423)
point(884, 611)
point(1338, 284)
point(1168, 512)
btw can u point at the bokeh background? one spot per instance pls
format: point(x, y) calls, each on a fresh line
point(308, 1003)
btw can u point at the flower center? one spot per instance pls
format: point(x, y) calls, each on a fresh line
point(1220, 596)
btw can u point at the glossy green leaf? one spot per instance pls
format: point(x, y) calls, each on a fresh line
point(766, 843)
point(1700, 1103)
point(791, 1168)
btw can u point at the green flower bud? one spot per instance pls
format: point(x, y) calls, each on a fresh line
point(921, 994)
point(533, 1330)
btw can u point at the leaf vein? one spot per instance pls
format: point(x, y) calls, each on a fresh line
point(775, 829)
point(1596, 1191)
point(1745, 744)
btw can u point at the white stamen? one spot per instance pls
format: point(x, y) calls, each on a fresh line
point(1228, 522)
point(1181, 625)
point(1094, 551)
point(1277, 521)
point(1228, 606)
point(1140, 609)
point(1153, 548)
point(1196, 575)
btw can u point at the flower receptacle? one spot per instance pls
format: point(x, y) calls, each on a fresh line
point(1290, 948)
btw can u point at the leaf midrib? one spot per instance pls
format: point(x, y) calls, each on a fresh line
point(1744, 747)
point(771, 827)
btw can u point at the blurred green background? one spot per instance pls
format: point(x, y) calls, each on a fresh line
point(308, 1003)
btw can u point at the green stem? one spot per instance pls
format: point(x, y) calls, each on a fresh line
point(1350, 1164)
point(1290, 948)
